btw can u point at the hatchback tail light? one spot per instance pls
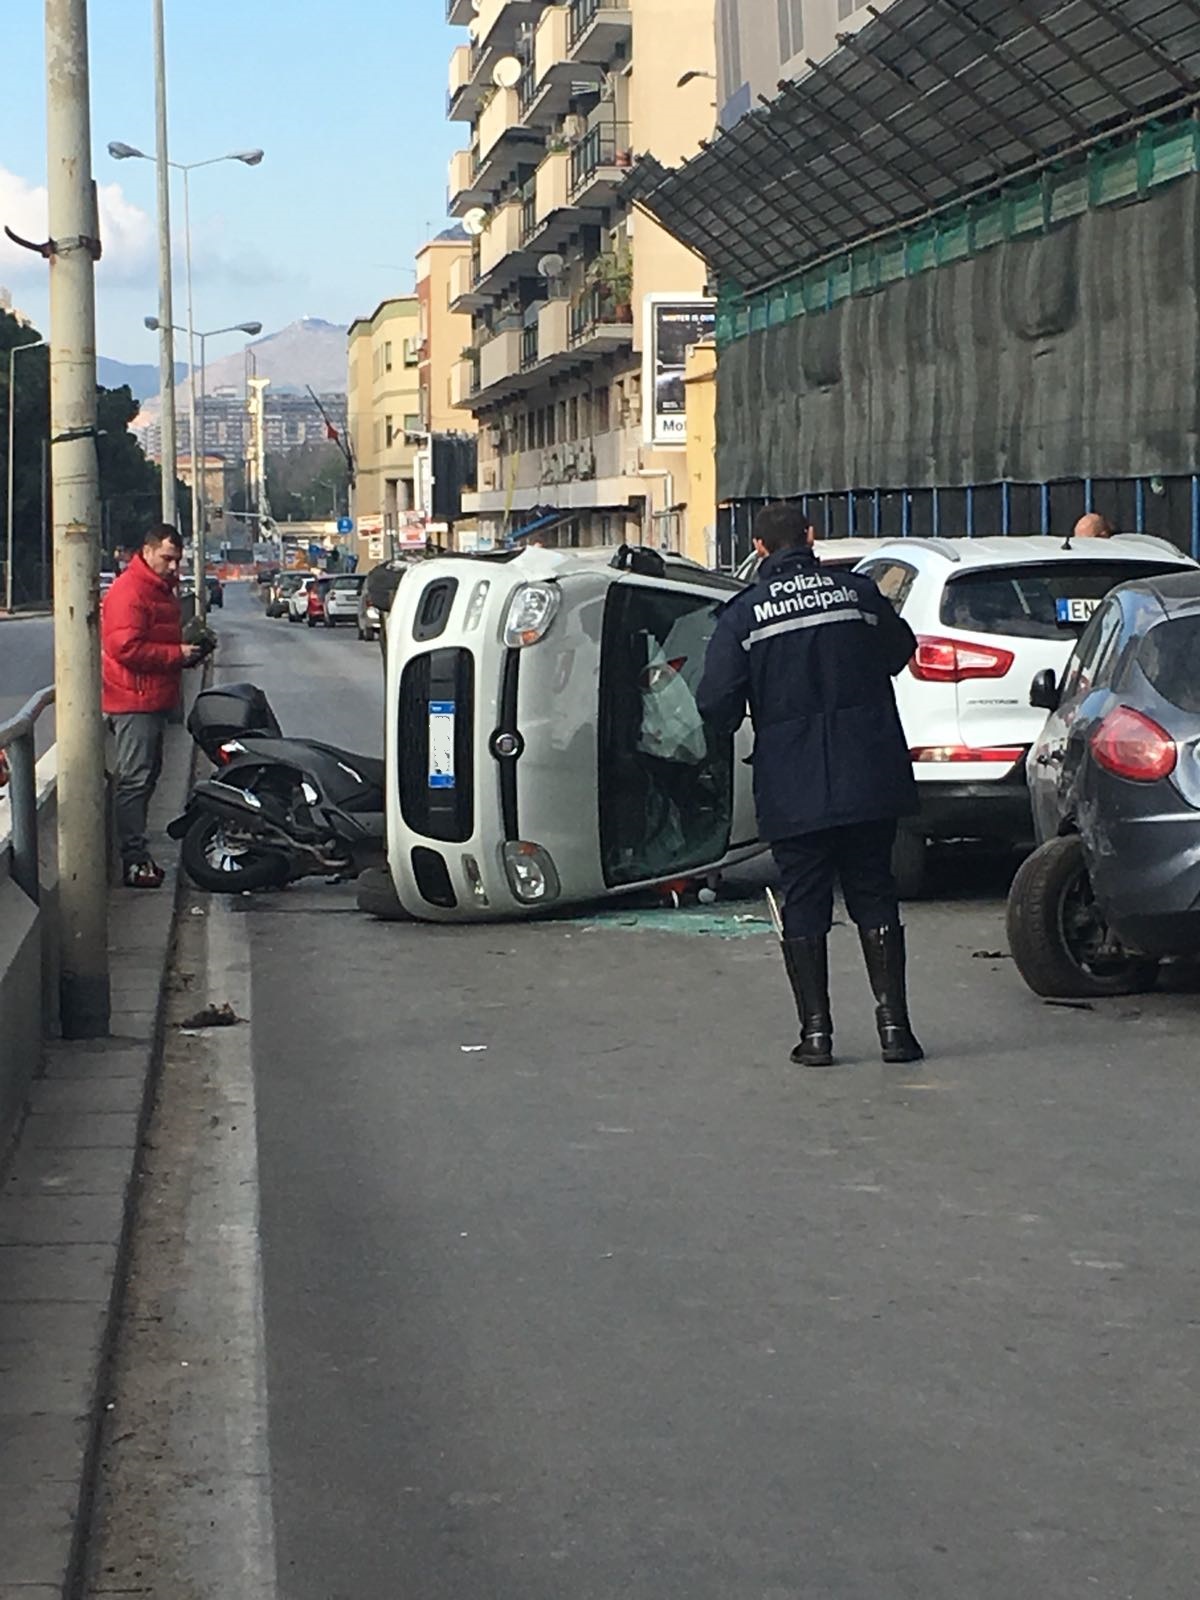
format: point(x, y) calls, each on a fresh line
point(952, 660)
point(1132, 745)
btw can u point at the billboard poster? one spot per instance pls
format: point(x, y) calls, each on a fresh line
point(673, 324)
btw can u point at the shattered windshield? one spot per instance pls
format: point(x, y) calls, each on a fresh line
point(666, 779)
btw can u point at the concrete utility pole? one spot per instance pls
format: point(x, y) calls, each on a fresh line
point(166, 335)
point(75, 244)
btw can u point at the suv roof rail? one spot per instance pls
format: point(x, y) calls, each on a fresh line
point(940, 547)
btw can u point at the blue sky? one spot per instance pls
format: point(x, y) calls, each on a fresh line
point(347, 100)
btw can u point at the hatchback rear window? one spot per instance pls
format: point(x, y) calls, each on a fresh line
point(1169, 656)
point(1046, 600)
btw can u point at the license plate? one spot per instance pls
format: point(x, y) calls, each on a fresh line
point(1076, 610)
point(441, 744)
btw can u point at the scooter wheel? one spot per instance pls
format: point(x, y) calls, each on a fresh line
point(221, 866)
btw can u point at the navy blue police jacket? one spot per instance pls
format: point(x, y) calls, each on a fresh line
point(812, 655)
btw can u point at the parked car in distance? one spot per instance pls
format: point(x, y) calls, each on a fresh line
point(989, 614)
point(1114, 776)
point(543, 741)
point(297, 605)
point(216, 591)
point(314, 601)
point(107, 579)
point(283, 586)
point(375, 599)
point(341, 599)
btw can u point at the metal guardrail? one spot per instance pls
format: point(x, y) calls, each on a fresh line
point(16, 739)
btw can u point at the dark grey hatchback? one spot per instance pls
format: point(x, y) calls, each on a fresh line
point(1114, 885)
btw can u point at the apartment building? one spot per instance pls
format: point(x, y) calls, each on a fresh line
point(385, 425)
point(761, 41)
point(582, 308)
point(442, 331)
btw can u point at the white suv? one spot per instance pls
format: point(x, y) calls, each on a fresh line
point(988, 615)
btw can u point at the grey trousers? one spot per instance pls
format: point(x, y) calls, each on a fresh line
point(138, 736)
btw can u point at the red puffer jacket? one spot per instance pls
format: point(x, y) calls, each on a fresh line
point(141, 649)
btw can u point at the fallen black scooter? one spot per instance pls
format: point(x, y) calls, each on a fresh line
point(277, 809)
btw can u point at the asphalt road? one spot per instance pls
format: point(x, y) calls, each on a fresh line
point(624, 1307)
point(26, 665)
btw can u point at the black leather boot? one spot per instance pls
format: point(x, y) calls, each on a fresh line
point(883, 951)
point(807, 963)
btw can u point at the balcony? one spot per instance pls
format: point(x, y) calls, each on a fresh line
point(504, 139)
point(529, 347)
point(465, 88)
point(500, 359)
point(464, 381)
point(459, 12)
point(529, 222)
point(599, 163)
point(546, 87)
point(598, 325)
point(463, 191)
point(596, 28)
point(554, 329)
point(465, 294)
point(558, 217)
point(499, 22)
point(500, 239)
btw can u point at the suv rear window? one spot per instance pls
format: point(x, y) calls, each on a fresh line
point(1168, 656)
point(1045, 600)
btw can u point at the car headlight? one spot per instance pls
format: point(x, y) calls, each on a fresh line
point(530, 871)
point(372, 613)
point(530, 612)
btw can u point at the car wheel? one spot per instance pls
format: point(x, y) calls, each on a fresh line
point(910, 863)
point(1057, 932)
point(312, 621)
point(223, 865)
point(361, 634)
point(376, 894)
point(329, 621)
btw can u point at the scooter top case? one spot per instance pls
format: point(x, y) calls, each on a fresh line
point(231, 711)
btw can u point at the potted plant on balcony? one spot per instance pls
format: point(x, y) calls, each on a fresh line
point(612, 273)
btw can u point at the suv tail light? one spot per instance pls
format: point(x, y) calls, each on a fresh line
point(952, 660)
point(1009, 754)
point(1133, 746)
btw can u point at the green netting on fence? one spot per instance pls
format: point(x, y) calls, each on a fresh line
point(1105, 177)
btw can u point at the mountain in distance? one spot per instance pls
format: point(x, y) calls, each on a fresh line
point(307, 352)
point(142, 377)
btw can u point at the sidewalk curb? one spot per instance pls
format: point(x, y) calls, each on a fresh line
point(69, 1195)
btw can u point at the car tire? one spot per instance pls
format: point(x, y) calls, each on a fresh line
point(910, 863)
point(312, 621)
point(377, 897)
point(329, 622)
point(251, 869)
point(1052, 919)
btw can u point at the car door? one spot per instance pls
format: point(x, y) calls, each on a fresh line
point(1057, 756)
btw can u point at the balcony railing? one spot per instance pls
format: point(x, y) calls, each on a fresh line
point(584, 12)
point(529, 347)
point(529, 213)
point(605, 145)
point(596, 308)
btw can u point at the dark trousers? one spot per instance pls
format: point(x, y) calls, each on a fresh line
point(138, 738)
point(858, 856)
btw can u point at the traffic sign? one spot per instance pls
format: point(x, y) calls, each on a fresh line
point(345, 524)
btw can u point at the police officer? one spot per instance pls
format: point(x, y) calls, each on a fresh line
point(813, 653)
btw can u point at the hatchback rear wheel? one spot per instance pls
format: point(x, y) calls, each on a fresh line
point(1058, 934)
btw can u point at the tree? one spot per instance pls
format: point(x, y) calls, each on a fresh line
point(307, 484)
point(130, 483)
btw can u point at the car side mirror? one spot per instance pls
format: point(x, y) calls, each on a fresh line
point(1044, 692)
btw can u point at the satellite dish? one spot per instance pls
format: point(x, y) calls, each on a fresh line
point(506, 74)
point(551, 266)
point(474, 220)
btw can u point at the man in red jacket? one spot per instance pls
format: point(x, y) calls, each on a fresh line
point(142, 657)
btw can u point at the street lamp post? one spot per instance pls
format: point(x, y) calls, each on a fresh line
point(248, 158)
point(30, 344)
point(199, 505)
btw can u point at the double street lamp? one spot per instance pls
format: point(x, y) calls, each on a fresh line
point(199, 452)
point(248, 158)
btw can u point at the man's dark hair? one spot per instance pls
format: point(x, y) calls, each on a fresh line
point(161, 533)
point(782, 526)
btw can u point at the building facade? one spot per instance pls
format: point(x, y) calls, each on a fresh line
point(582, 307)
point(761, 41)
point(385, 426)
